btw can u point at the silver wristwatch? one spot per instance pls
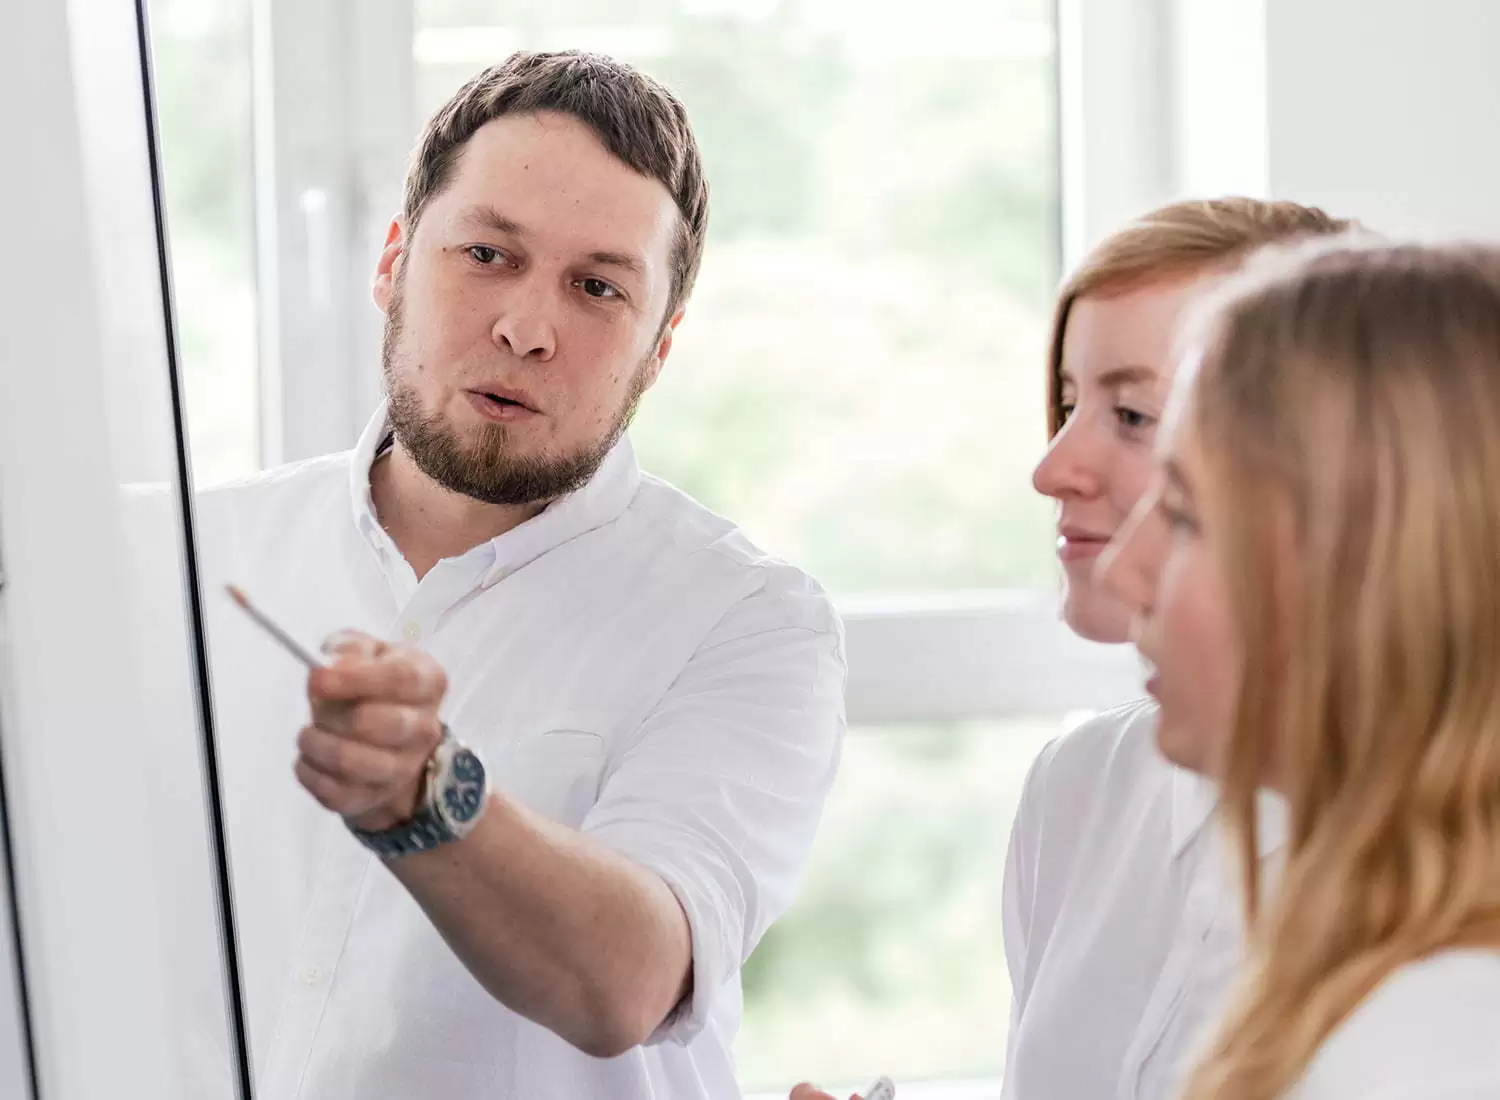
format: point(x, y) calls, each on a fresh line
point(456, 794)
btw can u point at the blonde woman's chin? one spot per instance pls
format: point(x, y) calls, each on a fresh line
point(1180, 740)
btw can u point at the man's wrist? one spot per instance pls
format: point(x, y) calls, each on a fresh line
point(449, 798)
point(392, 814)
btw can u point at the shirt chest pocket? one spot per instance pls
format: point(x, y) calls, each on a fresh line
point(555, 772)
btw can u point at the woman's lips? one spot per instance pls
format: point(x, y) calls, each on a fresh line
point(1080, 547)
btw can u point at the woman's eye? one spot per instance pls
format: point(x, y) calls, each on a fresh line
point(1065, 412)
point(597, 288)
point(1178, 521)
point(484, 254)
point(1133, 420)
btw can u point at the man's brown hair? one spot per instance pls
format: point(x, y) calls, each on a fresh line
point(636, 118)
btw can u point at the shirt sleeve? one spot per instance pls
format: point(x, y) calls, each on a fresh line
point(1022, 857)
point(721, 789)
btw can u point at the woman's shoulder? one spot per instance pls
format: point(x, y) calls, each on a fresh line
point(1110, 748)
point(1099, 775)
point(1431, 1029)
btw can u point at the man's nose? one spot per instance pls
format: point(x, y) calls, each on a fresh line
point(526, 324)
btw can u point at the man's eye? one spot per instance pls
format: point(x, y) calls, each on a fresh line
point(597, 288)
point(484, 254)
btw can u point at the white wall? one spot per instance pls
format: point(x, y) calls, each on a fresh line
point(1388, 110)
point(1217, 115)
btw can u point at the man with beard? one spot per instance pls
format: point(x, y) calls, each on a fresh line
point(565, 764)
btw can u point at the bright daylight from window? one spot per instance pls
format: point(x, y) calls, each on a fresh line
point(858, 382)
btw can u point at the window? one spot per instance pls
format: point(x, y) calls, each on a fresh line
point(858, 379)
point(858, 382)
point(891, 961)
point(104, 807)
point(201, 54)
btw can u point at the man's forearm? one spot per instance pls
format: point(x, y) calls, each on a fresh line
point(557, 927)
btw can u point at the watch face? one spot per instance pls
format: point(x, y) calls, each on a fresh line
point(466, 767)
point(463, 794)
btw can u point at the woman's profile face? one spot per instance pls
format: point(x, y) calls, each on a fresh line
point(1116, 370)
point(1166, 565)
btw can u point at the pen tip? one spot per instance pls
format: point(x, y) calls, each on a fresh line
point(237, 596)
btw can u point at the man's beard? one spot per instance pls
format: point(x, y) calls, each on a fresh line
point(485, 469)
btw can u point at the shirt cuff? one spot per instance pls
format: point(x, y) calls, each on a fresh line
point(715, 958)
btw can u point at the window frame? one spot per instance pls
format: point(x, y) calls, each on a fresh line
point(97, 400)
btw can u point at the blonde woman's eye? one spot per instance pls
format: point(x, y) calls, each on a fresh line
point(1178, 521)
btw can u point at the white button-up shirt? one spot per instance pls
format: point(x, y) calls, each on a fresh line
point(1122, 916)
point(627, 663)
point(1430, 1031)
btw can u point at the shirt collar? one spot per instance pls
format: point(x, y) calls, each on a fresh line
point(1194, 800)
point(600, 501)
point(359, 476)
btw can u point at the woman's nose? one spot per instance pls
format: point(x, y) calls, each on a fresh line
point(1071, 468)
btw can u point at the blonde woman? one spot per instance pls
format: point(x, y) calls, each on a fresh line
point(1109, 888)
point(1316, 576)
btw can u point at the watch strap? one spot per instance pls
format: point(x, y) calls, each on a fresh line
point(427, 828)
point(425, 831)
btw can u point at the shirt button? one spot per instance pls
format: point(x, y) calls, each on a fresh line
point(312, 976)
point(411, 632)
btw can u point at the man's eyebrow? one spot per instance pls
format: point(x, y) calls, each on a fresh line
point(622, 260)
point(491, 218)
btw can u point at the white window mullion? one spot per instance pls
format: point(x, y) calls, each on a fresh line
point(1114, 92)
point(333, 103)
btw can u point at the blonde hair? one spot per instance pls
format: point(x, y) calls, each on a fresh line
point(1347, 406)
point(1174, 241)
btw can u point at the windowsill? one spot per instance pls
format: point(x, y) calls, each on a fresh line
point(985, 1088)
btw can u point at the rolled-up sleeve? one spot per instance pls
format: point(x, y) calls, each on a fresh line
point(721, 789)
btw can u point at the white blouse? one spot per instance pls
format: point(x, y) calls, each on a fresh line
point(1431, 1031)
point(1121, 916)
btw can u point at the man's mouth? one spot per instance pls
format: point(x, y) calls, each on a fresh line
point(500, 405)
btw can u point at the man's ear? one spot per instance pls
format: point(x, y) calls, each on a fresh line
point(663, 347)
point(392, 256)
